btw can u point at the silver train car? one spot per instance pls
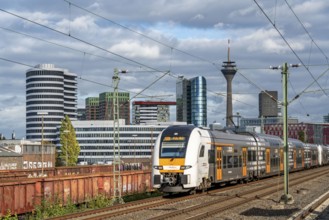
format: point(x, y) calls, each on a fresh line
point(188, 158)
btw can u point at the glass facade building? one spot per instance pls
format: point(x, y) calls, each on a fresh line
point(199, 101)
point(191, 101)
point(51, 93)
point(183, 99)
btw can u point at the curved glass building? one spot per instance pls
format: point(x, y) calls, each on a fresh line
point(191, 101)
point(199, 101)
point(51, 93)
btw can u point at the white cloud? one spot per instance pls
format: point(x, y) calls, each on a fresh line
point(134, 49)
point(198, 17)
point(219, 25)
point(264, 40)
point(83, 23)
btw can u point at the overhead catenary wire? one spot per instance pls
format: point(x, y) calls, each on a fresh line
point(100, 48)
point(60, 32)
point(143, 35)
point(305, 90)
point(287, 43)
point(64, 46)
point(80, 51)
point(81, 78)
point(293, 89)
point(83, 41)
point(307, 32)
point(90, 44)
point(261, 89)
point(223, 95)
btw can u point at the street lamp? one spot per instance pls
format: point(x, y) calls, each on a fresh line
point(42, 115)
point(66, 154)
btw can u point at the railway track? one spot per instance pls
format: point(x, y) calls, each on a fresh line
point(216, 206)
point(220, 199)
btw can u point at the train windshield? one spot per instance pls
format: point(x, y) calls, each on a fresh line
point(173, 147)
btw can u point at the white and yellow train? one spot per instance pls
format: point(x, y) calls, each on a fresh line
point(188, 158)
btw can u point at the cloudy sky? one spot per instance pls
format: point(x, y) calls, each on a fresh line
point(150, 38)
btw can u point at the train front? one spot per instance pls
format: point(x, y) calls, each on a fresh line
point(174, 170)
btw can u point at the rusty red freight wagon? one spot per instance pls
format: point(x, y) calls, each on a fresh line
point(22, 196)
point(54, 171)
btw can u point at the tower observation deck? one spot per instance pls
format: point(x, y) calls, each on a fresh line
point(229, 71)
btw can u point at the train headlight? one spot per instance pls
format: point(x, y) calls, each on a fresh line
point(185, 167)
point(158, 167)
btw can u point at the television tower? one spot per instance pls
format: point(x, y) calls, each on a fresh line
point(229, 72)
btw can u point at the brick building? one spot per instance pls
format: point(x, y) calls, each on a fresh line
point(23, 154)
point(10, 160)
point(311, 133)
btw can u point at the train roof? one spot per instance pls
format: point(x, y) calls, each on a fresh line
point(246, 137)
point(295, 142)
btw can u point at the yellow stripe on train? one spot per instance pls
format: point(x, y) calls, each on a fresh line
point(171, 165)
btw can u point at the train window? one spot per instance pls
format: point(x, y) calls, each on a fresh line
point(224, 162)
point(252, 155)
point(236, 161)
point(173, 149)
point(230, 161)
point(249, 155)
point(201, 154)
point(211, 156)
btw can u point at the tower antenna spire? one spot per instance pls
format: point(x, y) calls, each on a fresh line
point(228, 51)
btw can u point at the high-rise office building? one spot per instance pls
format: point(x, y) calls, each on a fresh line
point(268, 106)
point(92, 108)
point(191, 100)
point(101, 108)
point(183, 99)
point(148, 112)
point(106, 106)
point(51, 93)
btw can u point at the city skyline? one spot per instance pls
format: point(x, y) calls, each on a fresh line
point(171, 38)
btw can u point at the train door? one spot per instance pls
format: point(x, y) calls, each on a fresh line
point(295, 158)
point(281, 159)
point(219, 156)
point(244, 161)
point(268, 160)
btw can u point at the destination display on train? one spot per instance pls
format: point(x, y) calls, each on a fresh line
point(175, 138)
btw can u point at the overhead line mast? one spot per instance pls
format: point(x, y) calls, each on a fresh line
point(117, 186)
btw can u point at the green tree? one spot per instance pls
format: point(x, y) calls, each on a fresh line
point(70, 148)
point(301, 136)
